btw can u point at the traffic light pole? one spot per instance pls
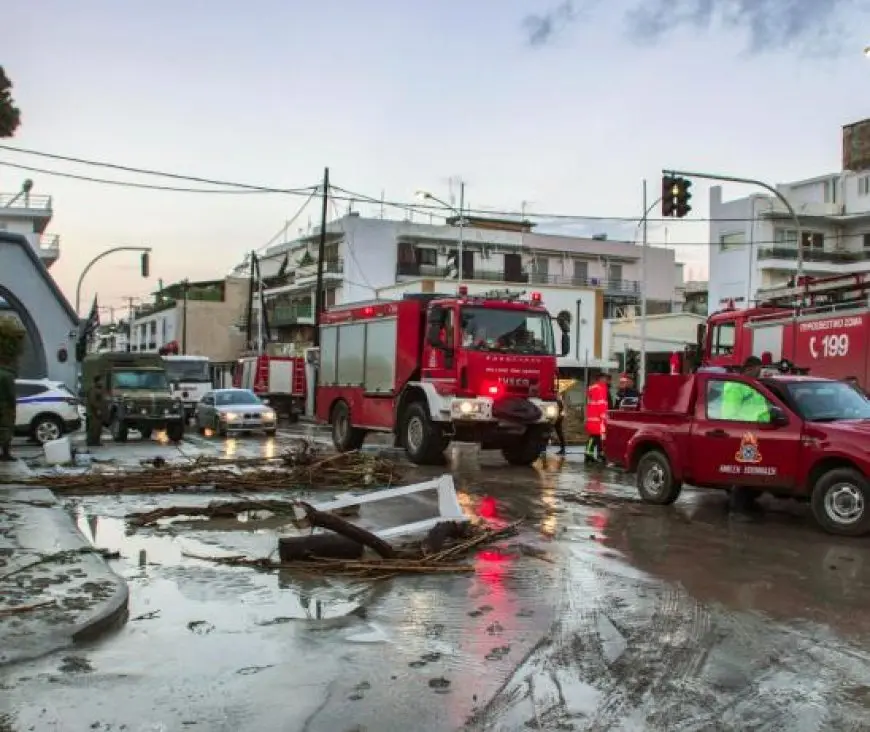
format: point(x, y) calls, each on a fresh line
point(647, 208)
point(762, 184)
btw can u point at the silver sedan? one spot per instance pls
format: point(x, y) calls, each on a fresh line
point(223, 411)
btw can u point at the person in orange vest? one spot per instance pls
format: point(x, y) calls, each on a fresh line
point(597, 404)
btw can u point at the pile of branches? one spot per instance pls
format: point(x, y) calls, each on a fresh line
point(287, 471)
point(341, 548)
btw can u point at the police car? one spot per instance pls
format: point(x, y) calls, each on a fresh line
point(46, 410)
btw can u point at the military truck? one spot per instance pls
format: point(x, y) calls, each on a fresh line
point(138, 395)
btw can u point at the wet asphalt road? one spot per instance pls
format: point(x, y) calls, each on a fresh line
point(636, 618)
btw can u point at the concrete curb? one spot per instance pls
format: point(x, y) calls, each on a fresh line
point(90, 598)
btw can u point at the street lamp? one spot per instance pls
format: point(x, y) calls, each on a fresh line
point(867, 51)
point(426, 196)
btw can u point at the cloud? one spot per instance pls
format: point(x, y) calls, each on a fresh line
point(540, 28)
point(771, 24)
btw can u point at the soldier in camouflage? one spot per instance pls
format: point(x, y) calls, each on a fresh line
point(96, 404)
point(7, 412)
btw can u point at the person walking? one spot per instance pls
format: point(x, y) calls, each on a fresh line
point(597, 404)
point(96, 405)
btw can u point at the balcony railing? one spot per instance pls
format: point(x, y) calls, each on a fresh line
point(813, 255)
point(18, 200)
point(49, 245)
point(289, 314)
point(330, 266)
point(525, 278)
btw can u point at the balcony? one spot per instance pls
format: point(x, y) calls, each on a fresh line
point(610, 286)
point(49, 249)
point(35, 210)
point(331, 269)
point(814, 255)
point(294, 314)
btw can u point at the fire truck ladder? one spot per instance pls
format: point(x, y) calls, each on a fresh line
point(850, 290)
point(448, 505)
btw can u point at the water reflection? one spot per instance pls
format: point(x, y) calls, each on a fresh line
point(549, 517)
point(231, 447)
point(269, 448)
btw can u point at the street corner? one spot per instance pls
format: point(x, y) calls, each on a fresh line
point(56, 589)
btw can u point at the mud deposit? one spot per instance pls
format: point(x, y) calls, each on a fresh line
point(609, 616)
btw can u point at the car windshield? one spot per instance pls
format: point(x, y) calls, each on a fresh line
point(143, 380)
point(229, 398)
point(828, 401)
point(188, 371)
point(507, 331)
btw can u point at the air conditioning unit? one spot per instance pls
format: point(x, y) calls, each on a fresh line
point(595, 281)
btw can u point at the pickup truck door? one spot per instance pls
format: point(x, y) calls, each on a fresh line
point(731, 452)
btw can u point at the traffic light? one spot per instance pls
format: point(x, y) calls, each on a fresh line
point(676, 194)
point(146, 264)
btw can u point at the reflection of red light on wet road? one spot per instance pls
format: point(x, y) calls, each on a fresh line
point(598, 521)
point(487, 508)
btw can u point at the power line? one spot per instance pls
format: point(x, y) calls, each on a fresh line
point(149, 171)
point(351, 196)
point(131, 184)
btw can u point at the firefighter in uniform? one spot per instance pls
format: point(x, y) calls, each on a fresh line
point(96, 405)
point(597, 404)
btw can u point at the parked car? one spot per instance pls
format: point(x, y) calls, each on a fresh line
point(46, 410)
point(234, 410)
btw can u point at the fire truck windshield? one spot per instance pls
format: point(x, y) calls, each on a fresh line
point(188, 371)
point(507, 331)
point(828, 401)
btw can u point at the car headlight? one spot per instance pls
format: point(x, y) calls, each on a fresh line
point(551, 411)
point(229, 416)
point(269, 415)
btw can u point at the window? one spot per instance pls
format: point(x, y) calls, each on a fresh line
point(614, 273)
point(813, 240)
point(866, 238)
point(581, 272)
point(507, 331)
point(864, 185)
point(734, 401)
point(140, 380)
point(28, 390)
point(828, 401)
point(428, 257)
point(831, 190)
point(540, 269)
point(733, 240)
point(723, 339)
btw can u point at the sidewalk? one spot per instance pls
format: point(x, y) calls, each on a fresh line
point(54, 588)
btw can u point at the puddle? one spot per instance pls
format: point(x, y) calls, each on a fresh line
point(159, 562)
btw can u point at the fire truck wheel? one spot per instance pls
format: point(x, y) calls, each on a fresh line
point(528, 449)
point(345, 436)
point(423, 441)
point(839, 502)
point(655, 479)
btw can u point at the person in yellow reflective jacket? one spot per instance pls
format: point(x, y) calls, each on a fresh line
point(741, 403)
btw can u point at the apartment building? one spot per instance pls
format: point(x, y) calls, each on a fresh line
point(202, 317)
point(754, 240)
point(364, 256)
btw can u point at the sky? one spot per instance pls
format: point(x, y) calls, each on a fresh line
point(559, 107)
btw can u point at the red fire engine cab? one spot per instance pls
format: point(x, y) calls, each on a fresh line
point(819, 325)
point(435, 368)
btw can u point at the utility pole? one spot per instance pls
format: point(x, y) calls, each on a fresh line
point(643, 291)
point(129, 323)
point(461, 247)
point(321, 253)
point(184, 286)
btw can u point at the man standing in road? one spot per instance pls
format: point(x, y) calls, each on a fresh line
point(597, 404)
point(95, 406)
point(11, 347)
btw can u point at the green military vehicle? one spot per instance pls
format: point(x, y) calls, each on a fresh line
point(137, 394)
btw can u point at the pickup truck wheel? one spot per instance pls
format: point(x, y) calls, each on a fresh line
point(655, 479)
point(345, 436)
point(423, 441)
point(840, 502)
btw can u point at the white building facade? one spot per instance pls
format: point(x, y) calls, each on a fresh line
point(754, 240)
point(365, 259)
point(29, 215)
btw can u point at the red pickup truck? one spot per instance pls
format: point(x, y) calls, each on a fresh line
point(791, 436)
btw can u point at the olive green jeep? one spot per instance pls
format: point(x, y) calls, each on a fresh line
point(137, 394)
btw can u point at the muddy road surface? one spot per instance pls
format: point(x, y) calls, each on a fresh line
point(604, 614)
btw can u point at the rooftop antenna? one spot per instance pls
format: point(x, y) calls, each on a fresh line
point(383, 199)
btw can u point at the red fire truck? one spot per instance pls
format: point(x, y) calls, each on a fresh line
point(434, 368)
point(819, 325)
point(279, 379)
